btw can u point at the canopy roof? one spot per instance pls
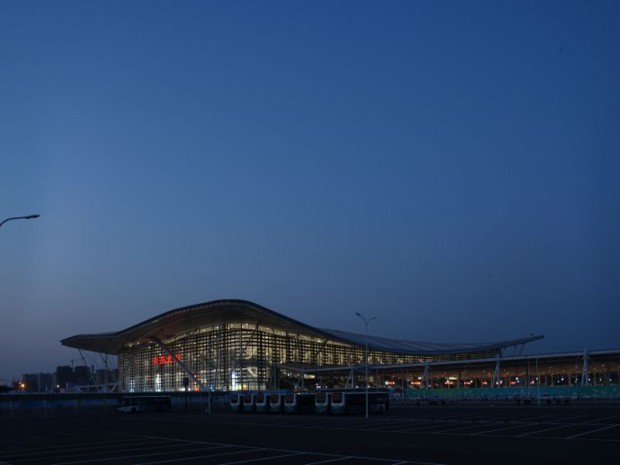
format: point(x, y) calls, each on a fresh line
point(181, 320)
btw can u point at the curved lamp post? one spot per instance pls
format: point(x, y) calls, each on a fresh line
point(28, 217)
point(366, 321)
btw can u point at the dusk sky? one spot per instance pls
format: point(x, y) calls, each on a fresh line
point(451, 167)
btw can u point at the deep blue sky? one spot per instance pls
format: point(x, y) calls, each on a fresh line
point(451, 167)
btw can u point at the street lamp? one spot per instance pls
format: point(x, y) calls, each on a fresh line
point(28, 217)
point(366, 321)
point(537, 384)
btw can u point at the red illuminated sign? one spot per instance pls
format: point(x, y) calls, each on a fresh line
point(165, 360)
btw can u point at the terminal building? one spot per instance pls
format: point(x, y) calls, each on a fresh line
point(232, 345)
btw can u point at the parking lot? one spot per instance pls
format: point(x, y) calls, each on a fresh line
point(544, 423)
point(404, 435)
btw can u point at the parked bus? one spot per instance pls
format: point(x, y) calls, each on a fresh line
point(354, 402)
point(133, 404)
point(249, 403)
point(262, 402)
point(322, 402)
point(300, 402)
point(236, 402)
point(276, 403)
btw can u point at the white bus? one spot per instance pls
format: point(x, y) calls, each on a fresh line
point(355, 402)
point(133, 404)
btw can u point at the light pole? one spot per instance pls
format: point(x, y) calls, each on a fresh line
point(537, 384)
point(28, 217)
point(366, 321)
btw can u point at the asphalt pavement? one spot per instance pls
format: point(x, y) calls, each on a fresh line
point(436, 435)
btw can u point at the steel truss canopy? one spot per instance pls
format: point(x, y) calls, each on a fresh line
point(184, 319)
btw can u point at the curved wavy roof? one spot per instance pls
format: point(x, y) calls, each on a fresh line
point(182, 319)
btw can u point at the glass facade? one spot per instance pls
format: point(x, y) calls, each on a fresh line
point(239, 356)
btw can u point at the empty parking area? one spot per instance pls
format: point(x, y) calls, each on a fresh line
point(545, 422)
point(83, 448)
point(93, 447)
point(404, 435)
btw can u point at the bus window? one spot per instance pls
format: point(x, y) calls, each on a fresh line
point(133, 404)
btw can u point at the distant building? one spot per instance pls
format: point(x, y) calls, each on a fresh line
point(82, 375)
point(64, 377)
point(103, 376)
point(38, 382)
point(31, 382)
point(46, 382)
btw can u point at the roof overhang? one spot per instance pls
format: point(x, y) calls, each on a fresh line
point(430, 348)
point(182, 320)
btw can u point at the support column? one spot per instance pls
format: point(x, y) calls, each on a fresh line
point(90, 373)
point(586, 369)
point(496, 373)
